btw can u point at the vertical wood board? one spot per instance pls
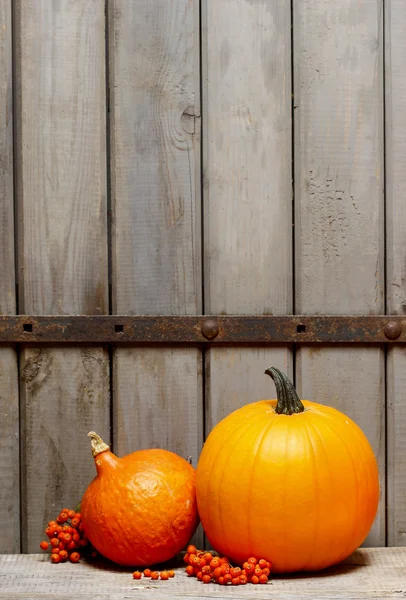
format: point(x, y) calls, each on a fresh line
point(156, 256)
point(247, 157)
point(395, 119)
point(155, 169)
point(61, 194)
point(247, 187)
point(9, 414)
point(339, 227)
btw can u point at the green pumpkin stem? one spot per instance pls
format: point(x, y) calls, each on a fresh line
point(289, 402)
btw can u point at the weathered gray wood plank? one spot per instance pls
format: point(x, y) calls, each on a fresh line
point(247, 187)
point(395, 90)
point(235, 377)
point(9, 428)
point(60, 76)
point(156, 262)
point(339, 203)
point(373, 573)
point(247, 162)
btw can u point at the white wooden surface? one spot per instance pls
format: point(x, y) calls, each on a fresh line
point(156, 226)
point(339, 226)
point(247, 187)
point(9, 413)
point(373, 573)
point(395, 88)
point(61, 194)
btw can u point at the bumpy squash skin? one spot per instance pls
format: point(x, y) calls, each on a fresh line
point(140, 509)
point(300, 490)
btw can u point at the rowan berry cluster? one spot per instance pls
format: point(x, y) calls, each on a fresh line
point(209, 568)
point(154, 575)
point(66, 537)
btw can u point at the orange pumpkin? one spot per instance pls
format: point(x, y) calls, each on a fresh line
point(139, 509)
point(294, 482)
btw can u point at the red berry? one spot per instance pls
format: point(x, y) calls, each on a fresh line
point(243, 579)
point(235, 572)
point(206, 578)
point(63, 555)
point(137, 574)
point(44, 545)
point(191, 549)
point(164, 575)
point(263, 579)
point(252, 560)
point(189, 570)
point(55, 558)
point(254, 579)
point(208, 556)
point(262, 563)
point(147, 572)
point(154, 575)
point(74, 557)
point(171, 573)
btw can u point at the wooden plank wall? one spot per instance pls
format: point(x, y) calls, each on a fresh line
point(186, 157)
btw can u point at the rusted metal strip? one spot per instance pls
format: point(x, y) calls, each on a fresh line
point(202, 329)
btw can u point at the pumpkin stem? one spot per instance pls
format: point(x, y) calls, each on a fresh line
point(98, 446)
point(289, 402)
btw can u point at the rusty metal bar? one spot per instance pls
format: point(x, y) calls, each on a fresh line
point(215, 329)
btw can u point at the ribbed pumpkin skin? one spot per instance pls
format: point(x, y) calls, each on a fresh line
point(140, 509)
point(300, 490)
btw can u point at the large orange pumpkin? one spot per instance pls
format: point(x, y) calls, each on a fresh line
point(293, 482)
point(139, 509)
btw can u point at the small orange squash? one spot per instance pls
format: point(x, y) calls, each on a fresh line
point(294, 482)
point(139, 509)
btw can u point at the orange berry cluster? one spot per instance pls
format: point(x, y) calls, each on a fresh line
point(66, 536)
point(210, 568)
point(154, 575)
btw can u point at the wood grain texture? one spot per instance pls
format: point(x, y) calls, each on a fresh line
point(61, 193)
point(247, 157)
point(247, 187)
point(155, 141)
point(158, 400)
point(339, 223)
point(156, 262)
point(395, 98)
point(9, 453)
point(7, 266)
point(235, 377)
point(378, 573)
point(9, 427)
